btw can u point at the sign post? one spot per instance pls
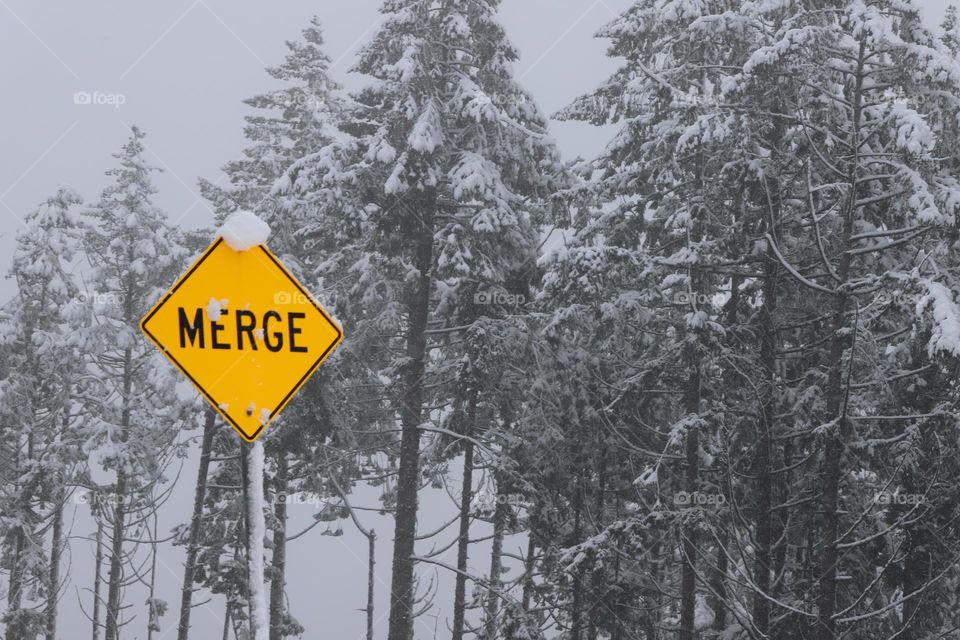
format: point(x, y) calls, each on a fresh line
point(248, 336)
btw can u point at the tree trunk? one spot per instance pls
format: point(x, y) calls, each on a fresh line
point(226, 622)
point(783, 541)
point(763, 461)
point(53, 575)
point(98, 562)
point(196, 521)
point(621, 606)
point(279, 559)
point(720, 585)
point(597, 578)
point(402, 581)
point(920, 614)
point(371, 577)
point(115, 577)
point(688, 543)
point(836, 439)
point(688, 577)
point(528, 567)
point(719, 581)
point(153, 620)
point(653, 604)
point(15, 593)
point(119, 512)
point(56, 551)
point(496, 564)
point(463, 542)
point(576, 613)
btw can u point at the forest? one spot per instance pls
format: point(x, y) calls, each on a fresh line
point(708, 378)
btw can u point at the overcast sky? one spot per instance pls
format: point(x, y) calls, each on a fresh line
point(182, 68)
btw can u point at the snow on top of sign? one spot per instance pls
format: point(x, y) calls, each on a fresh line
point(264, 416)
point(244, 230)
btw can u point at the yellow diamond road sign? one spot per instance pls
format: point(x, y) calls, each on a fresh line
point(245, 332)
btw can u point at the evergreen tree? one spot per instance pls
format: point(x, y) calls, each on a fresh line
point(447, 160)
point(763, 99)
point(39, 420)
point(882, 201)
point(134, 414)
point(290, 123)
point(647, 273)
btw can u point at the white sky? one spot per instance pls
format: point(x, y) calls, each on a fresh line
point(183, 67)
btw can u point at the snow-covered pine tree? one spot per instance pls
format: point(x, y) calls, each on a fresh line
point(39, 423)
point(189, 534)
point(134, 414)
point(880, 202)
point(860, 88)
point(951, 30)
point(484, 395)
point(221, 563)
point(290, 123)
point(448, 159)
point(647, 277)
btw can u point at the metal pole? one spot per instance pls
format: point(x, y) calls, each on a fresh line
point(245, 477)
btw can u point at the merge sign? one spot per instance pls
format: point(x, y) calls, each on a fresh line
point(245, 333)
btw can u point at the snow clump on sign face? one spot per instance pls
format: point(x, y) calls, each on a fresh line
point(244, 230)
point(216, 308)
